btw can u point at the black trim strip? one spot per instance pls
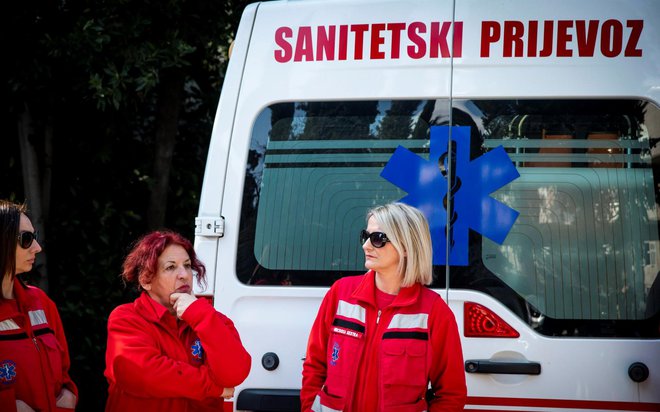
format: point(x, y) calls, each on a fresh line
point(43, 331)
point(335, 150)
point(406, 335)
point(23, 335)
point(338, 163)
point(269, 400)
point(348, 325)
point(15, 336)
point(581, 165)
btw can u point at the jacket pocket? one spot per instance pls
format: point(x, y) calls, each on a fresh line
point(325, 402)
point(54, 356)
point(404, 373)
point(343, 356)
point(7, 400)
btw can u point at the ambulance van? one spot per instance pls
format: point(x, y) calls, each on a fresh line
point(527, 131)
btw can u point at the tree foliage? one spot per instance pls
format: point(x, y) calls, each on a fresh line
point(93, 76)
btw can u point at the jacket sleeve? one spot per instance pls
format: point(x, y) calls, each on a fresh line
point(227, 360)
point(447, 374)
point(135, 363)
point(55, 321)
point(315, 366)
point(7, 400)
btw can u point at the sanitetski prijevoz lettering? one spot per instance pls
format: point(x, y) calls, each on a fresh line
point(431, 40)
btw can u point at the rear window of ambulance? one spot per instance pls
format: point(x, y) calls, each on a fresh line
point(580, 259)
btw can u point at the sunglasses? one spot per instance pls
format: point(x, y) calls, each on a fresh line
point(25, 239)
point(378, 239)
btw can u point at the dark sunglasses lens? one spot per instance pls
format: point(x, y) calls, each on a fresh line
point(26, 239)
point(377, 239)
point(364, 235)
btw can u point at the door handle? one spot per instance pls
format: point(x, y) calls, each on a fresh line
point(508, 368)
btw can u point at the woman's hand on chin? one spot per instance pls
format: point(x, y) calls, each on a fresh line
point(180, 302)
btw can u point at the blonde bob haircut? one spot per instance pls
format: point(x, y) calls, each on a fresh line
point(408, 231)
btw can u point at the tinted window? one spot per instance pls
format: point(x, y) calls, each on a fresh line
point(581, 258)
point(313, 172)
point(581, 255)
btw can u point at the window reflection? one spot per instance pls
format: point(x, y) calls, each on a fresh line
point(582, 254)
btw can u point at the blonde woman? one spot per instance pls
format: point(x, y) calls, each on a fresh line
point(380, 340)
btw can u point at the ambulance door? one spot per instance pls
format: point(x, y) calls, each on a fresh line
point(313, 129)
point(553, 268)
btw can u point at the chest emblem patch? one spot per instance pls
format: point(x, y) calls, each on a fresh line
point(335, 353)
point(197, 351)
point(7, 372)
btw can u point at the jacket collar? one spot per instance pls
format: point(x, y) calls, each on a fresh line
point(25, 301)
point(20, 290)
point(366, 292)
point(150, 309)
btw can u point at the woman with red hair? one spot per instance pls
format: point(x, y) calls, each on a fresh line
point(169, 351)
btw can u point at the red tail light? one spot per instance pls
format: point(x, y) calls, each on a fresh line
point(481, 322)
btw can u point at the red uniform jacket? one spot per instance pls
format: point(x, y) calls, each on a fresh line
point(417, 343)
point(34, 357)
point(156, 363)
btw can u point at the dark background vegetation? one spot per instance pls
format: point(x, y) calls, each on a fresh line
point(108, 113)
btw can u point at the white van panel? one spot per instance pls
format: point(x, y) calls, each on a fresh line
point(210, 203)
point(581, 369)
point(270, 312)
point(271, 81)
point(578, 374)
point(500, 77)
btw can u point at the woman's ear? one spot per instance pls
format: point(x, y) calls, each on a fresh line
point(145, 286)
point(142, 280)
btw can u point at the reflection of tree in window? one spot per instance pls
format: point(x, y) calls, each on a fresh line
point(338, 120)
point(552, 209)
point(421, 129)
point(398, 121)
point(281, 121)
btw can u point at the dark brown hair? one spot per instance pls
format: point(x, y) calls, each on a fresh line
point(10, 219)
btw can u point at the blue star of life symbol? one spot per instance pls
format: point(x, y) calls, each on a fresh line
point(7, 372)
point(335, 354)
point(196, 349)
point(472, 207)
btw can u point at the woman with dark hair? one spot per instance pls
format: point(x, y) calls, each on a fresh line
point(34, 357)
point(169, 351)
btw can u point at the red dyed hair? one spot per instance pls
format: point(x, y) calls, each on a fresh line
point(141, 264)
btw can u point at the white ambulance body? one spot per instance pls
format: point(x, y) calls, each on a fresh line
point(547, 250)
